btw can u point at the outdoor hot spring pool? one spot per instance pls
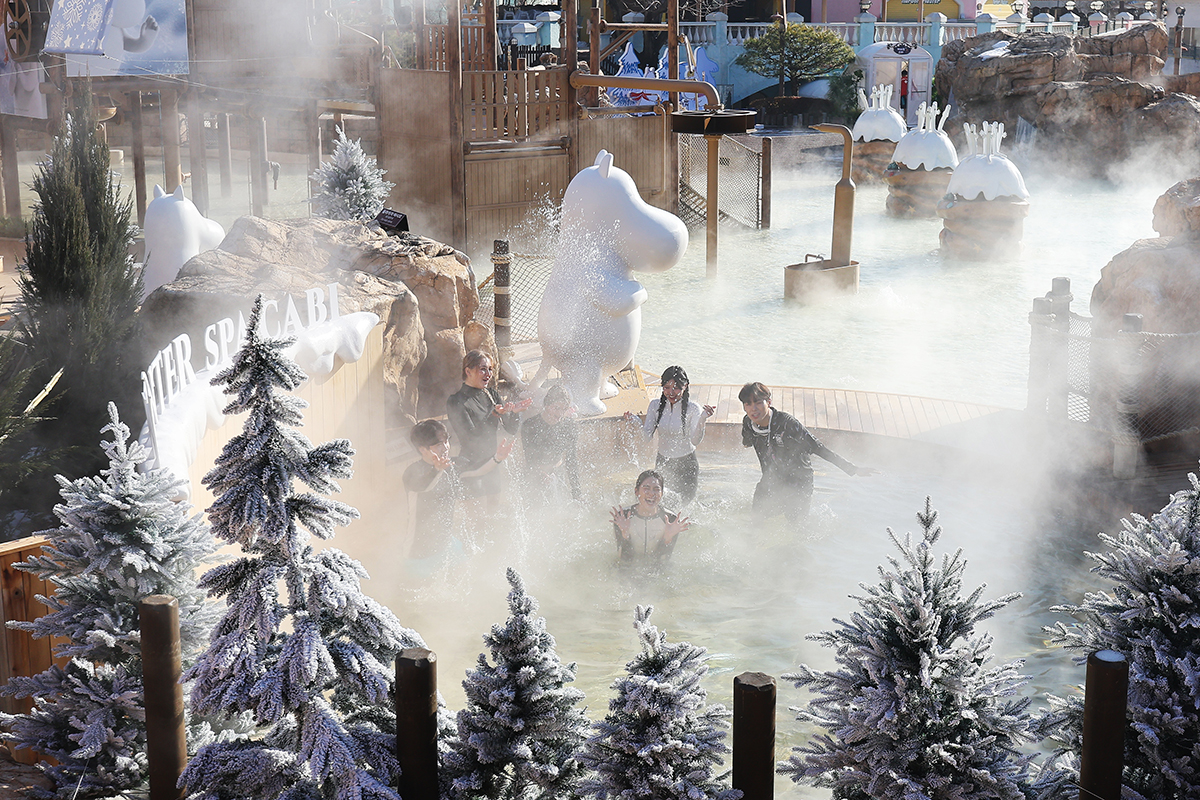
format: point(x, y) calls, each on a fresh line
point(751, 594)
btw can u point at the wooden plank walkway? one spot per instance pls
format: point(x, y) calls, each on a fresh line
point(882, 413)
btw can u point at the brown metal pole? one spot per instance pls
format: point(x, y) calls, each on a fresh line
point(416, 723)
point(1105, 698)
point(764, 217)
point(754, 735)
point(458, 170)
point(139, 156)
point(197, 152)
point(710, 209)
point(166, 738)
point(843, 199)
point(1179, 37)
point(258, 160)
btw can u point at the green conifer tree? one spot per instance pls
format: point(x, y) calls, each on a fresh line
point(80, 291)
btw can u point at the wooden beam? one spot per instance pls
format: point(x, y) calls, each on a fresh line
point(490, 54)
point(139, 156)
point(458, 170)
point(224, 154)
point(8, 167)
point(172, 170)
point(197, 152)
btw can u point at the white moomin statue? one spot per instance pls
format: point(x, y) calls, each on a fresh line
point(174, 231)
point(590, 318)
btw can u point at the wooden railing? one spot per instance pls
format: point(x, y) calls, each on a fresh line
point(20, 653)
point(517, 106)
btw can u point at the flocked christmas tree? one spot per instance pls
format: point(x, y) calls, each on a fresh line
point(122, 538)
point(660, 740)
point(323, 689)
point(1152, 617)
point(914, 711)
point(350, 185)
point(520, 734)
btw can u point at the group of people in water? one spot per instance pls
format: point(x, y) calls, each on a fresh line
point(645, 529)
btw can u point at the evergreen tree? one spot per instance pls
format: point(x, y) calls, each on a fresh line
point(1150, 617)
point(795, 53)
point(19, 414)
point(323, 690)
point(350, 186)
point(122, 539)
point(659, 741)
point(913, 712)
point(520, 734)
point(80, 291)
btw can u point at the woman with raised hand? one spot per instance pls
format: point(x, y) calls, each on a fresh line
point(679, 424)
point(646, 529)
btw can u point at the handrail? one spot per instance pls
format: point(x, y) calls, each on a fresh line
point(582, 79)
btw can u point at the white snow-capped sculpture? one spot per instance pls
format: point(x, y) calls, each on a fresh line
point(590, 318)
point(879, 122)
point(197, 407)
point(174, 231)
point(927, 146)
point(986, 172)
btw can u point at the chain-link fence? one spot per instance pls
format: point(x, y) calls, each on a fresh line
point(528, 275)
point(739, 185)
point(1139, 387)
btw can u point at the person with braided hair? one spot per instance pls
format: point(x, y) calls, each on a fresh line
point(679, 423)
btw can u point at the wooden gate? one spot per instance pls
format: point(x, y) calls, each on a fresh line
point(508, 188)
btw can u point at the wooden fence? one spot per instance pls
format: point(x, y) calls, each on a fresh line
point(517, 106)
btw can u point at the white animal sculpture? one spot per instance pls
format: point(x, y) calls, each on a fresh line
point(174, 231)
point(590, 318)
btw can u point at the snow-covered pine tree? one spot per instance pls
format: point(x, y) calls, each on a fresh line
point(122, 538)
point(350, 185)
point(660, 741)
point(324, 690)
point(1152, 616)
point(913, 712)
point(519, 736)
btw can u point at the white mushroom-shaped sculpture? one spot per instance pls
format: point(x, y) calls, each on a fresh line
point(921, 166)
point(875, 134)
point(986, 200)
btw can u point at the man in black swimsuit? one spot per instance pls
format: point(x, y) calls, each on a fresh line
point(783, 446)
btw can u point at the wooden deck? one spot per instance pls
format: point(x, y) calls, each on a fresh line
point(880, 413)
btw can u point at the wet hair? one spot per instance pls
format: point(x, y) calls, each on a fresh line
point(753, 392)
point(674, 373)
point(647, 475)
point(557, 395)
point(473, 359)
point(428, 433)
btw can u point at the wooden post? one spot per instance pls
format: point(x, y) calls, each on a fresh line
point(764, 216)
point(166, 740)
point(672, 142)
point(458, 170)
point(258, 160)
point(224, 154)
point(502, 315)
point(594, 41)
point(711, 212)
point(8, 167)
point(139, 156)
point(172, 172)
point(568, 36)
point(1127, 445)
point(1057, 380)
point(416, 723)
point(1105, 698)
point(421, 34)
point(197, 152)
point(754, 735)
point(1040, 320)
point(491, 56)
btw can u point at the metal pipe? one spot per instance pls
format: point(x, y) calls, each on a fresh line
point(580, 79)
point(711, 211)
point(843, 199)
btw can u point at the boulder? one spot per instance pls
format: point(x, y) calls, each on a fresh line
point(1092, 100)
point(1178, 210)
point(1157, 278)
point(423, 321)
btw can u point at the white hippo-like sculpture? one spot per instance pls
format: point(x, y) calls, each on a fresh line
point(590, 318)
point(174, 231)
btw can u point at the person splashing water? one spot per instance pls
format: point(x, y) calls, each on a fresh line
point(679, 423)
point(645, 529)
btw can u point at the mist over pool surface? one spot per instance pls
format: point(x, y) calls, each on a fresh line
point(751, 593)
point(920, 324)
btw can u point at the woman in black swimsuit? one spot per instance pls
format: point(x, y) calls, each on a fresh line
point(476, 413)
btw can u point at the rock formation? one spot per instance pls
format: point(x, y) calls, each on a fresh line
point(424, 292)
point(1160, 279)
point(1094, 101)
